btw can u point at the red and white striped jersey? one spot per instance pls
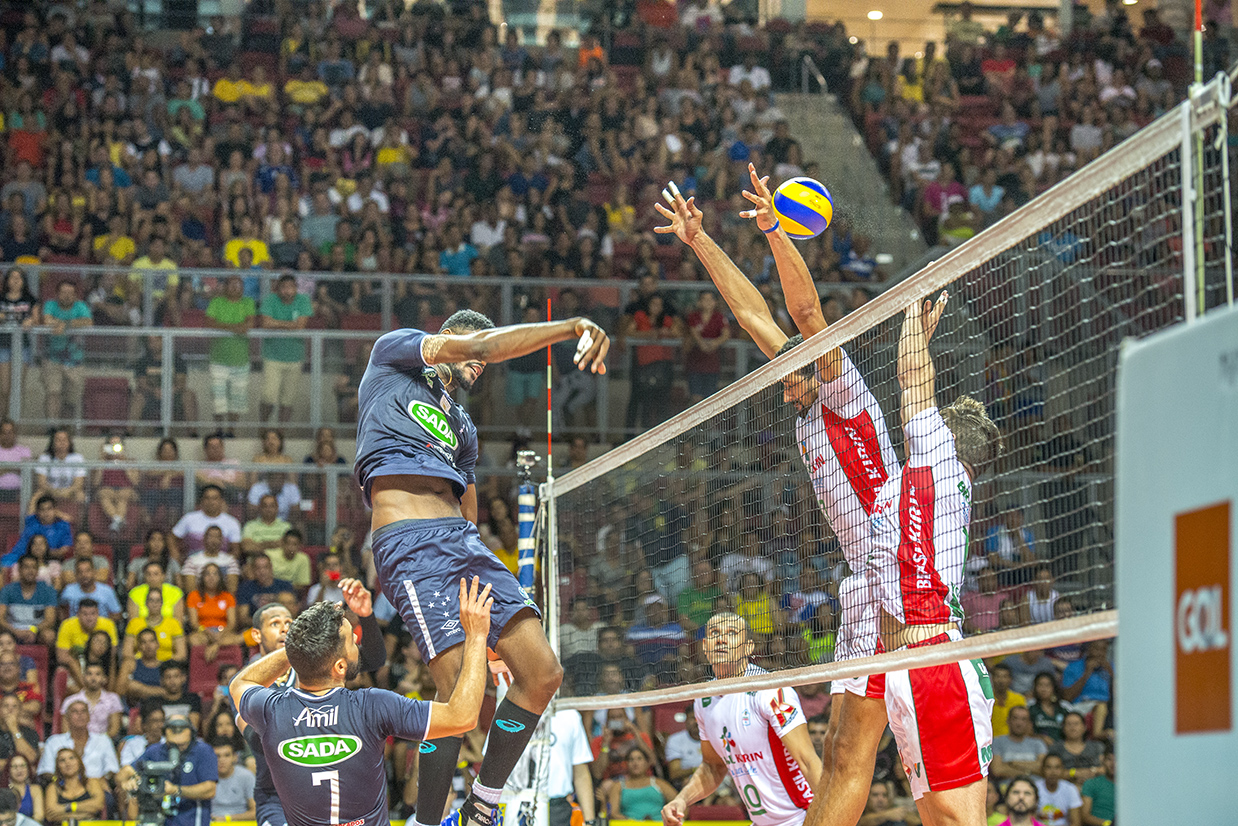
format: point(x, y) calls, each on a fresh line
point(746, 729)
point(920, 527)
point(846, 448)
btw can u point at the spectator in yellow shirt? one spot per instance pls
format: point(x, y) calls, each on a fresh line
point(246, 238)
point(74, 636)
point(305, 91)
point(231, 87)
point(115, 247)
point(171, 634)
point(1003, 698)
point(158, 268)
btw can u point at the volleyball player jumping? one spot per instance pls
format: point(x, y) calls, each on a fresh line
point(416, 451)
point(846, 449)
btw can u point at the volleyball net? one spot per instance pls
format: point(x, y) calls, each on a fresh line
point(716, 509)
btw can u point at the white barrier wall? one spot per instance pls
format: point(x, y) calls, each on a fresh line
point(1177, 517)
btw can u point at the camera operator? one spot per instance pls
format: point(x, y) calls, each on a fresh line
point(191, 784)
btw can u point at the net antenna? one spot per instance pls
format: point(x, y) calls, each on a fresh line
point(1039, 306)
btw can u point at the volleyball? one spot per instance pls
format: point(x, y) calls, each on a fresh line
point(804, 207)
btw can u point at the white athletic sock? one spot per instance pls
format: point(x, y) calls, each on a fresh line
point(487, 794)
point(419, 823)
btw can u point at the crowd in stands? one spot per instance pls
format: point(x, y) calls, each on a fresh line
point(969, 136)
point(416, 142)
point(411, 142)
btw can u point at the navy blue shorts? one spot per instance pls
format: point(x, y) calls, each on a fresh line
point(270, 813)
point(420, 563)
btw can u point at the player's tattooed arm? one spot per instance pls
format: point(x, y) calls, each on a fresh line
point(503, 343)
point(430, 346)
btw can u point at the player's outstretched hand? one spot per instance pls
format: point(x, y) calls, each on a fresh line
point(684, 217)
point(762, 201)
point(593, 347)
point(357, 597)
point(475, 608)
point(673, 813)
point(932, 313)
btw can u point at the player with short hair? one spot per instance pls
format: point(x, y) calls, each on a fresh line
point(324, 743)
point(941, 715)
point(416, 451)
point(271, 623)
point(846, 449)
point(760, 738)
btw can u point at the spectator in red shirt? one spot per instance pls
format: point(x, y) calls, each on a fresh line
point(654, 369)
point(707, 331)
point(611, 747)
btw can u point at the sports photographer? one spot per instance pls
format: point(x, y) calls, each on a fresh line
point(190, 785)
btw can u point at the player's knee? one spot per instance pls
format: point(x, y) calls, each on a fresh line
point(552, 677)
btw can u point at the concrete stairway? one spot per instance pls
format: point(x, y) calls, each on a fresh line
point(826, 135)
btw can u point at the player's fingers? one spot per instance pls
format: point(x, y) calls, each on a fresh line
point(599, 361)
point(764, 184)
point(754, 198)
point(691, 205)
point(675, 191)
point(663, 211)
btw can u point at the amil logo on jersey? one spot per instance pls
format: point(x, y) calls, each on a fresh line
point(319, 750)
point(1201, 617)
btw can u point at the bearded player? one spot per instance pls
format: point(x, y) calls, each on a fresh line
point(847, 452)
point(941, 715)
point(271, 623)
point(416, 451)
point(760, 738)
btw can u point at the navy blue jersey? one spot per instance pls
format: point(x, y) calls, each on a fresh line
point(264, 787)
point(407, 424)
point(325, 753)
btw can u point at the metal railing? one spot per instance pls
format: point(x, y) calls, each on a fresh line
point(329, 495)
point(809, 71)
point(111, 350)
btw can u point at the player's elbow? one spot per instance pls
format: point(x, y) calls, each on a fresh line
point(459, 721)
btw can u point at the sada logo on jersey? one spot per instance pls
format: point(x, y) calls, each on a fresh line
point(319, 750)
point(433, 421)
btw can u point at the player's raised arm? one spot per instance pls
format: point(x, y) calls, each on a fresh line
point(503, 343)
point(258, 674)
point(798, 289)
point(459, 714)
point(916, 374)
point(739, 293)
point(703, 782)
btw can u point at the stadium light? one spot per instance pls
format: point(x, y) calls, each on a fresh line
point(875, 15)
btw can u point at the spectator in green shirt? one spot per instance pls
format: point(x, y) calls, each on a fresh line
point(696, 603)
point(64, 375)
point(290, 562)
point(282, 358)
point(1098, 794)
point(229, 356)
point(266, 532)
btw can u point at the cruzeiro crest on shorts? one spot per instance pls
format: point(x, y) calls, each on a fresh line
point(433, 421)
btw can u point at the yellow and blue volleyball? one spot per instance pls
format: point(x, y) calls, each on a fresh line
point(804, 207)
